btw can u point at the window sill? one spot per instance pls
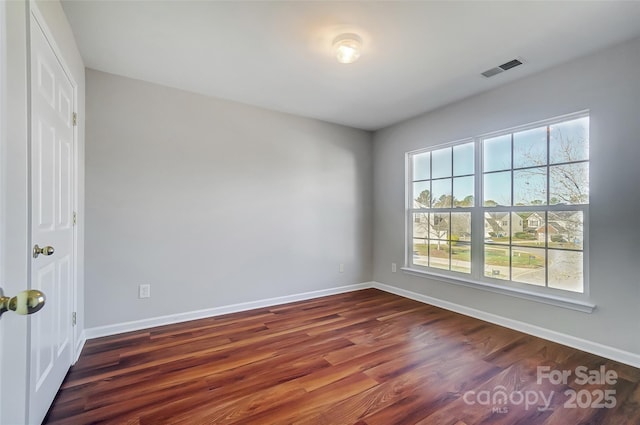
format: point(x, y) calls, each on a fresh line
point(550, 299)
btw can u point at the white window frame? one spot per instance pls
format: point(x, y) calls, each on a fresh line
point(476, 279)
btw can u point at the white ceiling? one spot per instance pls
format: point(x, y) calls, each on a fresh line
point(416, 57)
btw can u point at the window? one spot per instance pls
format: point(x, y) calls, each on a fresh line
point(507, 209)
point(443, 194)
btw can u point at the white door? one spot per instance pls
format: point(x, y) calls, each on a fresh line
point(52, 135)
point(14, 212)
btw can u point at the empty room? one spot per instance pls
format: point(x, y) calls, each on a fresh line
point(319, 212)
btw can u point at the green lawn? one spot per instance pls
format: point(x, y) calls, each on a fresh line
point(493, 256)
point(458, 251)
point(500, 257)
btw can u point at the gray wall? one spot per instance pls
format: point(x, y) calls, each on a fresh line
point(215, 203)
point(607, 83)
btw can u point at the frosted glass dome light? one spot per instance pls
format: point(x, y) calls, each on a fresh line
point(347, 47)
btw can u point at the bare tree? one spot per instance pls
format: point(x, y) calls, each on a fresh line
point(568, 180)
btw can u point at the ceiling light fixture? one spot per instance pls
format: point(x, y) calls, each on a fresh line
point(347, 47)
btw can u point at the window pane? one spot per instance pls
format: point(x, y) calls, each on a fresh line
point(497, 189)
point(463, 191)
point(528, 265)
point(569, 141)
point(439, 226)
point(565, 230)
point(461, 227)
point(421, 194)
point(441, 163)
point(422, 166)
point(421, 252)
point(463, 159)
point(530, 186)
point(565, 270)
point(569, 184)
point(441, 197)
point(530, 148)
point(529, 228)
point(496, 227)
point(420, 225)
point(496, 262)
point(460, 257)
point(497, 153)
point(439, 254)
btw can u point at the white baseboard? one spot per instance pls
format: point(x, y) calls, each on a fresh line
point(621, 356)
point(136, 325)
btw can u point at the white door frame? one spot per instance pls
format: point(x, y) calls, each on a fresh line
point(15, 200)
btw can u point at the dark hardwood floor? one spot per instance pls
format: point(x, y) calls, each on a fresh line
point(365, 357)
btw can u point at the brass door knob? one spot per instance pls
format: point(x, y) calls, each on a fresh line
point(26, 302)
point(45, 250)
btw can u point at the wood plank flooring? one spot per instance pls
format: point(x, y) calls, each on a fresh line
point(362, 358)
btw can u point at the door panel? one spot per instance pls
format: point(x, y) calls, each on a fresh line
point(52, 224)
point(42, 326)
point(44, 141)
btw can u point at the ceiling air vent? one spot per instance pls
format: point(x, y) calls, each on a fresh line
point(504, 67)
point(510, 64)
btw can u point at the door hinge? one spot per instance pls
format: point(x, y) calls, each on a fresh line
point(74, 318)
point(75, 119)
point(75, 218)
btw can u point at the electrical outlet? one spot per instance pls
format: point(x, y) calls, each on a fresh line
point(393, 267)
point(341, 267)
point(144, 291)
